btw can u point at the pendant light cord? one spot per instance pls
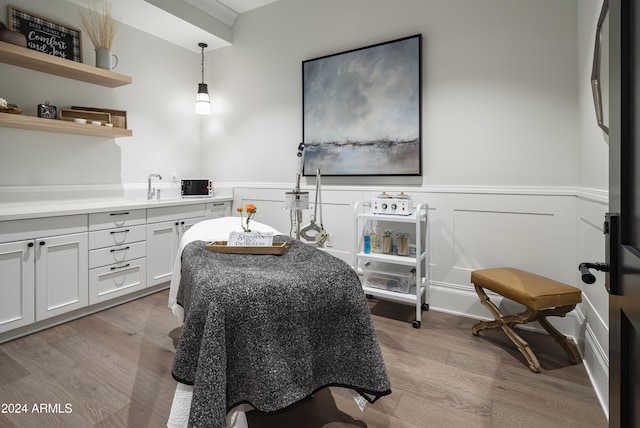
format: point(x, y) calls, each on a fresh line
point(202, 46)
point(202, 64)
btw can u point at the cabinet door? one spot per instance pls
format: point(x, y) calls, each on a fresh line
point(162, 246)
point(186, 225)
point(163, 241)
point(62, 278)
point(218, 210)
point(16, 285)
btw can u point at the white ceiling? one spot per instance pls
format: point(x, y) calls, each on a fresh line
point(183, 22)
point(238, 6)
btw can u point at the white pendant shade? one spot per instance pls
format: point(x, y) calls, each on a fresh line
point(203, 106)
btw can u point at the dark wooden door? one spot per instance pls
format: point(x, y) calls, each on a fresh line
point(623, 221)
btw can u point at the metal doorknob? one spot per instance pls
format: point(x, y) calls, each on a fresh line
point(587, 276)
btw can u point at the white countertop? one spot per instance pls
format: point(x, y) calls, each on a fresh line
point(39, 209)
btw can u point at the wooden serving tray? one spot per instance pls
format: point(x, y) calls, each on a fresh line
point(221, 247)
point(118, 117)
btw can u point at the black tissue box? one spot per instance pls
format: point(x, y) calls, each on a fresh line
point(47, 111)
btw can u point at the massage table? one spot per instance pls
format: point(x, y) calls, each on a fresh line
point(266, 331)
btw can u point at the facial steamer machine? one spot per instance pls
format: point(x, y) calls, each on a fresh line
point(296, 201)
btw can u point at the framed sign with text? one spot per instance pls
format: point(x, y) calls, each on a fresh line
point(46, 36)
point(250, 239)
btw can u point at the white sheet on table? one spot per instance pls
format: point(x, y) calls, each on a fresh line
point(181, 407)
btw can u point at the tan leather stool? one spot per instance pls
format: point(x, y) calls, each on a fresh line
point(542, 296)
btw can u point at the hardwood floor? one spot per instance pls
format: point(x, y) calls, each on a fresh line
point(112, 369)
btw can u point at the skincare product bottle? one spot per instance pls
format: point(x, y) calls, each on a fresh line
point(372, 240)
point(367, 242)
point(376, 239)
point(387, 241)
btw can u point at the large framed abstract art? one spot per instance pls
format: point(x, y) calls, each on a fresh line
point(362, 111)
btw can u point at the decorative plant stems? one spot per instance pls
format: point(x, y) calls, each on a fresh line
point(99, 25)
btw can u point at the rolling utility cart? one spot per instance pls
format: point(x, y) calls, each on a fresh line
point(389, 276)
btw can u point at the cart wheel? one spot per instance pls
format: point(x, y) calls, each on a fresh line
point(415, 324)
point(425, 306)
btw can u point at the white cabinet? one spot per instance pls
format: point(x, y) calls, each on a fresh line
point(61, 274)
point(56, 268)
point(165, 227)
point(217, 210)
point(17, 285)
point(117, 254)
point(418, 294)
point(43, 269)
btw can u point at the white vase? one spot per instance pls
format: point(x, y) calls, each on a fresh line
point(105, 59)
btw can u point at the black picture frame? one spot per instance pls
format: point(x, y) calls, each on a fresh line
point(362, 111)
point(47, 36)
point(600, 69)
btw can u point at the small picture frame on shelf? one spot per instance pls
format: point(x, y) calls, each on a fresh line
point(46, 36)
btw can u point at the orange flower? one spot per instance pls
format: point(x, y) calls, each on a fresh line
point(251, 211)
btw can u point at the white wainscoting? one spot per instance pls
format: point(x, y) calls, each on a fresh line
point(593, 313)
point(547, 231)
point(469, 231)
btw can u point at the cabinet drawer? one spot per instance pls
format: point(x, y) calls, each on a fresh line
point(117, 255)
point(119, 236)
point(121, 218)
point(17, 230)
point(117, 280)
point(218, 209)
point(155, 215)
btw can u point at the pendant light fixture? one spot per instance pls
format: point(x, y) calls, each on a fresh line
point(202, 98)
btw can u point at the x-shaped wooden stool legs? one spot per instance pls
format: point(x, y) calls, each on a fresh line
point(506, 322)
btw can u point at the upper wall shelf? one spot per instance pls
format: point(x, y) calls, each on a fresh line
point(27, 58)
point(60, 126)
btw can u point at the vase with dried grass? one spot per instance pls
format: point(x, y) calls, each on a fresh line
point(101, 28)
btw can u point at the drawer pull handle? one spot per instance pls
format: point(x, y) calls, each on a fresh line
point(119, 231)
point(30, 244)
point(122, 213)
point(119, 249)
point(120, 267)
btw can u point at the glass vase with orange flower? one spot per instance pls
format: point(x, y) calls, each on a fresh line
point(250, 209)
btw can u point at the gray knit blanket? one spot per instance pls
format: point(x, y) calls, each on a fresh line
point(270, 331)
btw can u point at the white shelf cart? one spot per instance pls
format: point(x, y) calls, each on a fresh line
point(418, 295)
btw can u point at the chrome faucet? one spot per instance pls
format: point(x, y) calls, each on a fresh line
point(151, 193)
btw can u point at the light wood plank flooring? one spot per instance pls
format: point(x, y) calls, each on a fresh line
point(112, 369)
